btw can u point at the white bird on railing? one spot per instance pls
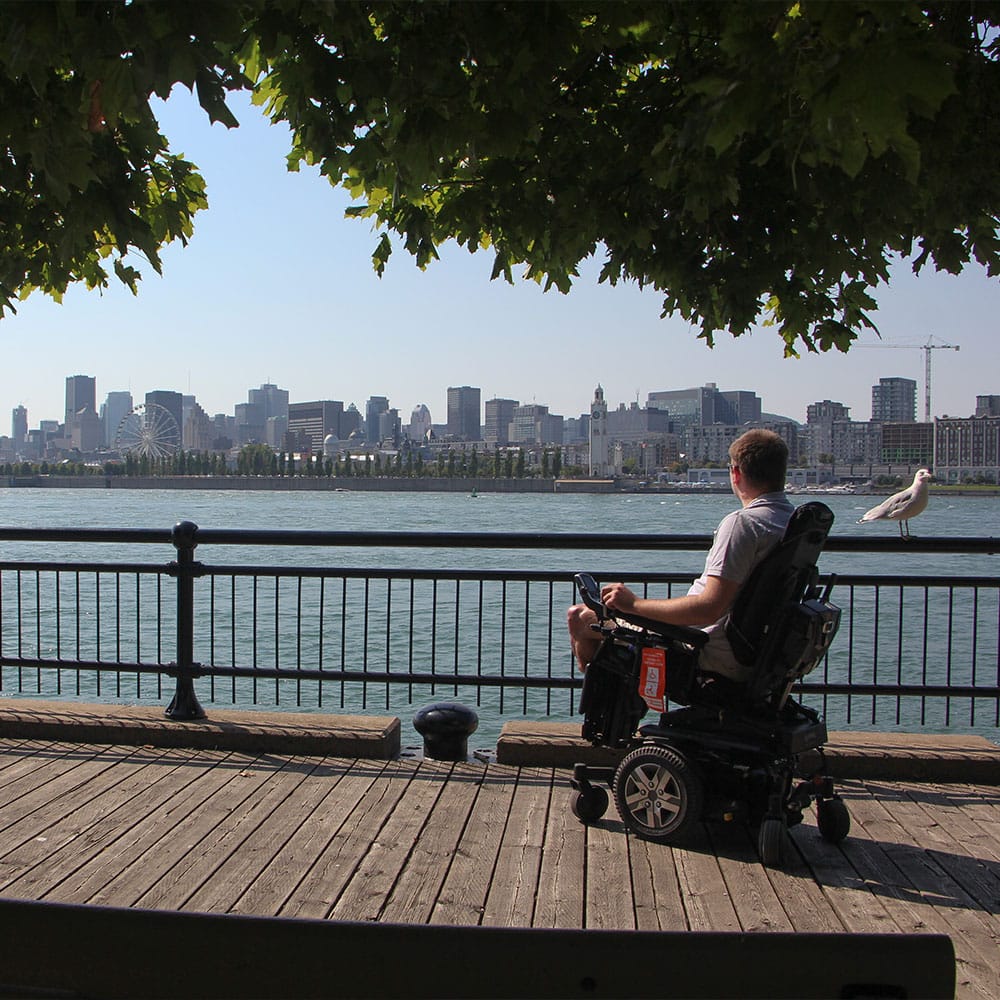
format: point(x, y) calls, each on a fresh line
point(903, 505)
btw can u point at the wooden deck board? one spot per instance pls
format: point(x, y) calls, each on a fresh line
point(415, 841)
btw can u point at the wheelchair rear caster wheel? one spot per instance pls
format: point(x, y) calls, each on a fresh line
point(771, 841)
point(658, 794)
point(591, 805)
point(833, 819)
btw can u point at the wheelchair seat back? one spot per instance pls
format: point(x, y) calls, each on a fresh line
point(781, 623)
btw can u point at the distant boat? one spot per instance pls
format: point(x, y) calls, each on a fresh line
point(474, 494)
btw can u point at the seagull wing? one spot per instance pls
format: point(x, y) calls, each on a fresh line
point(889, 508)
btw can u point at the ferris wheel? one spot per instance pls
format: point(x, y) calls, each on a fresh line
point(149, 431)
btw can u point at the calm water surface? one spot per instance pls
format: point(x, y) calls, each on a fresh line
point(361, 511)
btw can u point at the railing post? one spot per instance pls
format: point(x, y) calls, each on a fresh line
point(184, 705)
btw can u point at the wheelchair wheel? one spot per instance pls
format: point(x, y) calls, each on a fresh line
point(833, 819)
point(771, 841)
point(590, 806)
point(658, 794)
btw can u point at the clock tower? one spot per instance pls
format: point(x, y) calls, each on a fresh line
point(599, 435)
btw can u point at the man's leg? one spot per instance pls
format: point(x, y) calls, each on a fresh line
point(584, 640)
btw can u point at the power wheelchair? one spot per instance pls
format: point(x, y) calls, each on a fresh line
point(731, 750)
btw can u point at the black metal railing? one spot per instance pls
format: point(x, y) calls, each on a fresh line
point(915, 649)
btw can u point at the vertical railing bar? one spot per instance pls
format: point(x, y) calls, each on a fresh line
point(409, 644)
point(503, 639)
point(548, 656)
point(388, 639)
point(232, 625)
point(211, 635)
point(899, 655)
point(948, 658)
point(458, 618)
point(254, 632)
point(277, 638)
point(924, 657)
point(320, 688)
point(877, 618)
point(974, 651)
point(79, 629)
point(479, 642)
point(525, 630)
point(364, 654)
point(343, 638)
point(434, 618)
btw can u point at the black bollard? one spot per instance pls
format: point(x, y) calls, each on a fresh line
point(446, 727)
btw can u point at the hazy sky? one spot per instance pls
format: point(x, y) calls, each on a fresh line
point(276, 286)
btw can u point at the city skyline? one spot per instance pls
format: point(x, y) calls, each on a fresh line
point(276, 287)
point(441, 421)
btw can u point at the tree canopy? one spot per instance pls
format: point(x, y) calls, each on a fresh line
point(752, 161)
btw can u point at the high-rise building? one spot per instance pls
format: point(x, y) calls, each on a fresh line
point(533, 424)
point(499, 416)
point(988, 406)
point(894, 400)
point(81, 392)
point(420, 423)
point(375, 406)
point(310, 423)
point(464, 404)
point(173, 403)
point(19, 428)
point(114, 409)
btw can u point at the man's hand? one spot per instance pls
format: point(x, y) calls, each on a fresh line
point(618, 596)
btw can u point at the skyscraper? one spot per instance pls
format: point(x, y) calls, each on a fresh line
point(894, 400)
point(374, 408)
point(463, 412)
point(499, 414)
point(19, 428)
point(81, 392)
point(113, 410)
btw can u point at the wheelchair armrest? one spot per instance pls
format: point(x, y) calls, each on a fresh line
point(679, 633)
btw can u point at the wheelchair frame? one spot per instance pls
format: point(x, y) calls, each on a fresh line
point(731, 751)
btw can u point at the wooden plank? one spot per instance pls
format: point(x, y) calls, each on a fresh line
point(461, 899)
point(82, 818)
point(608, 897)
point(945, 908)
point(703, 892)
point(346, 782)
point(561, 883)
point(25, 787)
point(511, 899)
point(366, 894)
point(413, 897)
point(230, 879)
point(104, 876)
point(655, 887)
point(317, 893)
point(219, 829)
point(757, 905)
point(807, 906)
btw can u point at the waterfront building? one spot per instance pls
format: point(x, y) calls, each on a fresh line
point(86, 431)
point(310, 423)
point(988, 406)
point(533, 424)
point(350, 422)
point(173, 403)
point(499, 417)
point(908, 443)
point(199, 430)
point(250, 423)
point(894, 400)
point(634, 424)
point(710, 442)
point(389, 427)
point(705, 405)
point(420, 423)
point(600, 453)
point(18, 429)
point(817, 438)
point(81, 392)
point(376, 405)
point(967, 449)
point(576, 430)
point(463, 413)
point(116, 406)
point(273, 408)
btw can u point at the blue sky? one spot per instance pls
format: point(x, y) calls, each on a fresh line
point(276, 286)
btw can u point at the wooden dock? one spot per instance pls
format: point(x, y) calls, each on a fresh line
point(412, 841)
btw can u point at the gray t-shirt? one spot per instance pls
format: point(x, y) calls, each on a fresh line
point(742, 540)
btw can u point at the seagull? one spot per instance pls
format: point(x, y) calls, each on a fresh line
point(903, 505)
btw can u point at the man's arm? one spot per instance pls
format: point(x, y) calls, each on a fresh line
point(692, 609)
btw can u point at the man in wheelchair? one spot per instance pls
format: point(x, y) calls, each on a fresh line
point(757, 466)
point(730, 651)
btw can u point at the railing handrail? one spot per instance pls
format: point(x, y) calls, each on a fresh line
point(981, 545)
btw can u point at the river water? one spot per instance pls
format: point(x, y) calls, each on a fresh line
point(363, 511)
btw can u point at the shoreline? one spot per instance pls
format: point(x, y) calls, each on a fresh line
point(389, 484)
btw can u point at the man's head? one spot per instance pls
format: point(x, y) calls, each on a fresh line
point(762, 460)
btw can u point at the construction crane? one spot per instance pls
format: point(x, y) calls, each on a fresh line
point(926, 348)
